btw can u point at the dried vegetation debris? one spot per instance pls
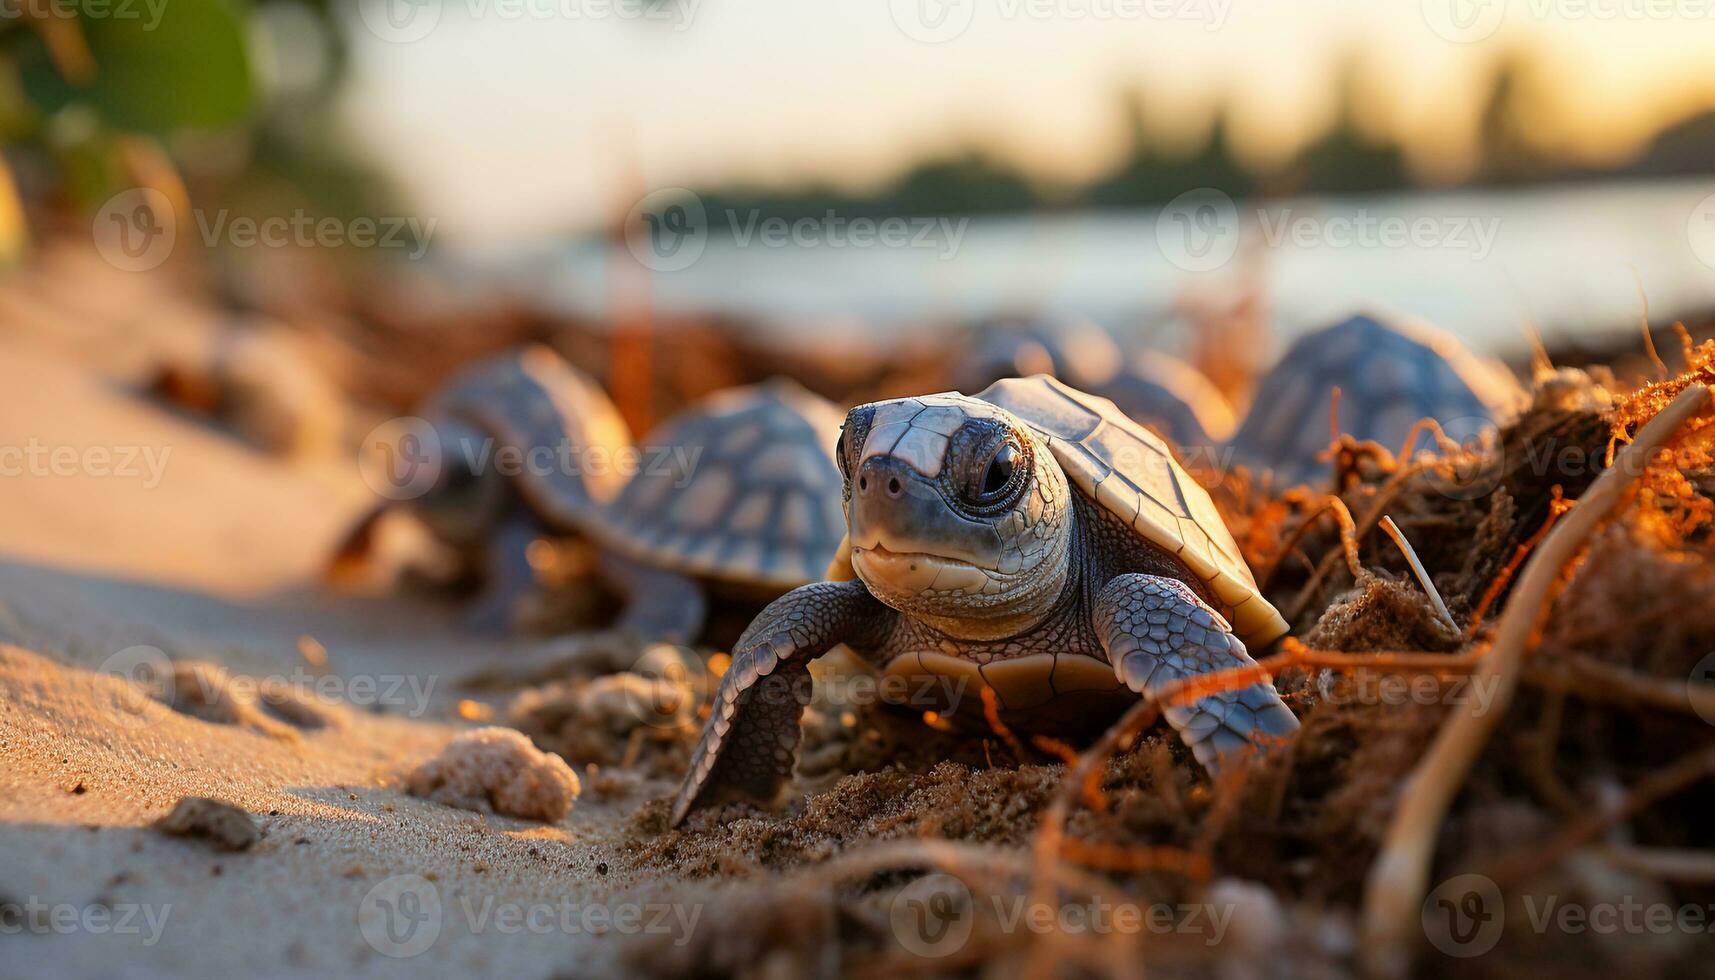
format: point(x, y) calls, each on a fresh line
point(1572, 781)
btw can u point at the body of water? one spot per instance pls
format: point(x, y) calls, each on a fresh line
point(1480, 264)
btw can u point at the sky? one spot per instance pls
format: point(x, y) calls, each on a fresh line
point(509, 120)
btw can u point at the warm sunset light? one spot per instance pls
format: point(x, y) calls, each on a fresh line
point(877, 488)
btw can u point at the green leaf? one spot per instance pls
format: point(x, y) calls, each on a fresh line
point(160, 65)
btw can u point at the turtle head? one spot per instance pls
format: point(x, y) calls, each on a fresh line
point(957, 513)
point(467, 497)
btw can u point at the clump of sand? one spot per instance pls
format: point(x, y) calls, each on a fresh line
point(498, 769)
point(222, 825)
point(622, 719)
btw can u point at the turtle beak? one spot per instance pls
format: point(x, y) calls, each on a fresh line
point(906, 536)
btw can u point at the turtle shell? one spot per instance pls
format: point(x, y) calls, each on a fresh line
point(740, 487)
point(1172, 399)
point(1390, 374)
point(1132, 474)
point(531, 398)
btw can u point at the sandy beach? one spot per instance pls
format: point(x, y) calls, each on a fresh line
point(212, 557)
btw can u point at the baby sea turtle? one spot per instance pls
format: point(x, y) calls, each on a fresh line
point(739, 495)
point(1391, 373)
point(518, 446)
point(1031, 539)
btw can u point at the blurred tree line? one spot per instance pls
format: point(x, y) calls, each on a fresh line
point(230, 103)
point(1354, 155)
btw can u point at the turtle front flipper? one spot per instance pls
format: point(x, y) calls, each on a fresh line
point(1156, 631)
point(660, 606)
point(751, 740)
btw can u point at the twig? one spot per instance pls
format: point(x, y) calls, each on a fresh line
point(1394, 889)
point(1540, 748)
point(1383, 497)
point(991, 711)
point(1417, 569)
point(1663, 863)
point(1643, 317)
point(1331, 504)
point(1592, 680)
point(1443, 441)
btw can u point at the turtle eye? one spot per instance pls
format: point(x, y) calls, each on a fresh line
point(840, 454)
point(997, 476)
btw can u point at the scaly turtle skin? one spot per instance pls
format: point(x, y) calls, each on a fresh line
point(1031, 539)
point(737, 493)
point(1172, 399)
point(1390, 374)
point(523, 446)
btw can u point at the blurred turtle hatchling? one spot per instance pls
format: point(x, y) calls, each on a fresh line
point(516, 447)
point(1030, 540)
point(1076, 351)
point(1391, 374)
point(1166, 395)
point(1172, 399)
point(737, 496)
